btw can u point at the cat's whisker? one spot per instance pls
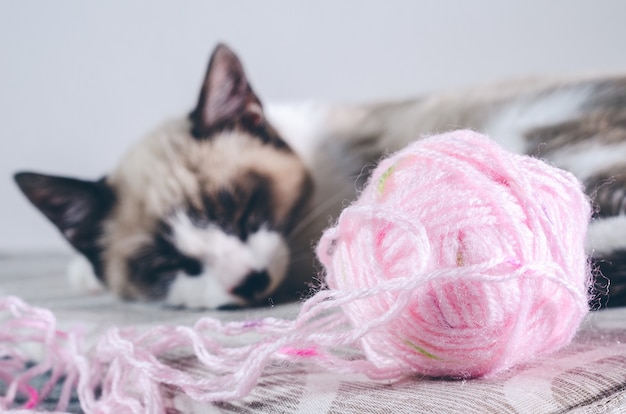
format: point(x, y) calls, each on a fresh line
point(295, 256)
point(316, 213)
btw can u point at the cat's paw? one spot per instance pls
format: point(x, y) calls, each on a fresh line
point(81, 276)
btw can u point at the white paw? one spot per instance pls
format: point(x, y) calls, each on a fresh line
point(81, 276)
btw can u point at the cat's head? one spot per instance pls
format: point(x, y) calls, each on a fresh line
point(198, 213)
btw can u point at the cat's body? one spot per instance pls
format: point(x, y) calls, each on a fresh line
point(576, 124)
point(223, 207)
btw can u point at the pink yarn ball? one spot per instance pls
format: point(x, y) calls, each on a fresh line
point(492, 242)
point(459, 259)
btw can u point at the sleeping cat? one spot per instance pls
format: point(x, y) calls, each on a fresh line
point(221, 208)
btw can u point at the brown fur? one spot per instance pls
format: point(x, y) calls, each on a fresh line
point(169, 170)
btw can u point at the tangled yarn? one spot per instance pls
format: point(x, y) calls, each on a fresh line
point(458, 260)
point(493, 241)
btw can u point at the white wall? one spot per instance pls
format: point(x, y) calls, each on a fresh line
point(79, 81)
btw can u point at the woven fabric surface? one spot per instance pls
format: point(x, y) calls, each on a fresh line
point(589, 376)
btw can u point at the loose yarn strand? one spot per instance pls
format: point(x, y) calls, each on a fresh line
point(458, 260)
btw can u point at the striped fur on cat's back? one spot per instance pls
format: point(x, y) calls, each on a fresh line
point(578, 125)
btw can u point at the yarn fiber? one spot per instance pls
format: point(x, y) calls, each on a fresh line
point(459, 259)
point(494, 242)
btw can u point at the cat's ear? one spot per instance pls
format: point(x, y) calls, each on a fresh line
point(76, 207)
point(226, 95)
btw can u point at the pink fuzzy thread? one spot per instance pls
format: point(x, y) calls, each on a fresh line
point(494, 241)
point(27, 326)
point(459, 259)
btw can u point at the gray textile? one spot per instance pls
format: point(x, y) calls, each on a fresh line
point(587, 377)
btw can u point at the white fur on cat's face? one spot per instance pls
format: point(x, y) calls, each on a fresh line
point(227, 261)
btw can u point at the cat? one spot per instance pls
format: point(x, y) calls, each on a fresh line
point(222, 208)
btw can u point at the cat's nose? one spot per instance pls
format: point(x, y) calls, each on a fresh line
point(254, 283)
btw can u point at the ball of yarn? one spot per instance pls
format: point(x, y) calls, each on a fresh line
point(491, 243)
point(459, 259)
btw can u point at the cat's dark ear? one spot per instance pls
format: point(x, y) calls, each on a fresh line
point(226, 96)
point(76, 207)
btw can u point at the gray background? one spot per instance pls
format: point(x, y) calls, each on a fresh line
point(80, 81)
